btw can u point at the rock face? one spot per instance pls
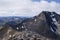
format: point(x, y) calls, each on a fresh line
point(45, 26)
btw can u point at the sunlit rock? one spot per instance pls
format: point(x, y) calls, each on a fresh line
point(17, 28)
point(10, 35)
point(35, 20)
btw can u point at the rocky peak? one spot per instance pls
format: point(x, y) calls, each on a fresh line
point(45, 24)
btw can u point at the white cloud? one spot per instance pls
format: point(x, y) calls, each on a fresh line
point(26, 7)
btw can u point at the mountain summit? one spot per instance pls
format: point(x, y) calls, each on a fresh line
point(46, 24)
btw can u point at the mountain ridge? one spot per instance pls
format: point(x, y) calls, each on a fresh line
point(39, 24)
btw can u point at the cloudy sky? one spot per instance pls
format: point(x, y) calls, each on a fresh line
point(27, 7)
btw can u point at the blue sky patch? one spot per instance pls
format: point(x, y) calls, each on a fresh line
point(36, 0)
point(58, 1)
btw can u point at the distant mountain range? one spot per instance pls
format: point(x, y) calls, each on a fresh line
point(16, 19)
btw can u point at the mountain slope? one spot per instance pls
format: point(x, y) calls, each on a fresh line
point(43, 24)
point(39, 24)
point(46, 26)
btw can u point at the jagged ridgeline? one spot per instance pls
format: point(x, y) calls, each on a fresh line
point(46, 24)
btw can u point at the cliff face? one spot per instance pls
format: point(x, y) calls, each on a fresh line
point(45, 26)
